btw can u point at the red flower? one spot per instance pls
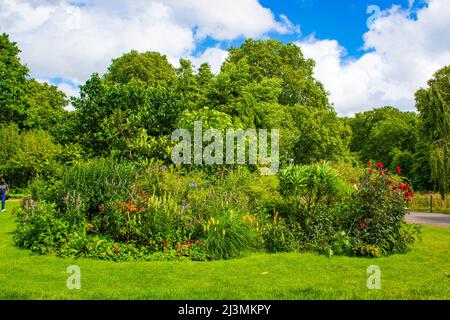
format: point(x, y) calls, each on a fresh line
point(394, 188)
point(370, 171)
point(399, 170)
point(379, 165)
point(390, 182)
point(362, 226)
point(369, 163)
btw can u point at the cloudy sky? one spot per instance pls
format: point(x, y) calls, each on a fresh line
point(368, 53)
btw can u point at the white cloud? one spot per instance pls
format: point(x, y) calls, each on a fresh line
point(214, 56)
point(71, 40)
point(225, 20)
point(402, 54)
point(69, 89)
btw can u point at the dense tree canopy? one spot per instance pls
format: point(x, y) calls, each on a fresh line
point(272, 59)
point(142, 96)
point(149, 68)
point(131, 111)
point(13, 82)
point(23, 100)
point(433, 104)
point(385, 134)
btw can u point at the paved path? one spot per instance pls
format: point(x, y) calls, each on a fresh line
point(429, 219)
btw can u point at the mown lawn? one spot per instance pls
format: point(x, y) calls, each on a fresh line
point(423, 273)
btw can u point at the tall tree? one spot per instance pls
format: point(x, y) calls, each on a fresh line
point(148, 68)
point(13, 82)
point(387, 135)
point(273, 59)
point(45, 106)
point(433, 104)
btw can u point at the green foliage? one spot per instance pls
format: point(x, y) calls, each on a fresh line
point(378, 212)
point(27, 155)
point(95, 182)
point(124, 120)
point(148, 69)
point(349, 171)
point(23, 100)
point(273, 59)
point(434, 105)
point(278, 235)
point(13, 82)
point(210, 119)
point(229, 234)
point(39, 229)
point(103, 182)
point(311, 184)
point(322, 136)
point(45, 106)
point(379, 132)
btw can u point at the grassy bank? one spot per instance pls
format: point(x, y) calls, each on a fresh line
point(419, 274)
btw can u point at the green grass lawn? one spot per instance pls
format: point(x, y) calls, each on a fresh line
point(419, 274)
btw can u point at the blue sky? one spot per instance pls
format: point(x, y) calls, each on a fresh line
point(345, 21)
point(64, 41)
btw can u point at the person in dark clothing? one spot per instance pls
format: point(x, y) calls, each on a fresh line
point(3, 191)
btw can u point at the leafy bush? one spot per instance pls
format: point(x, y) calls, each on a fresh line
point(308, 188)
point(94, 181)
point(117, 211)
point(26, 155)
point(39, 229)
point(278, 235)
point(378, 210)
point(230, 234)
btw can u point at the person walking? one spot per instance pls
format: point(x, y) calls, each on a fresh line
point(3, 192)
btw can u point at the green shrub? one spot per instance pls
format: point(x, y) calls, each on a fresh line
point(39, 229)
point(121, 212)
point(149, 221)
point(95, 181)
point(310, 189)
point(26, 155)
point(378, 209)
point(278, 235)
point(230, 234)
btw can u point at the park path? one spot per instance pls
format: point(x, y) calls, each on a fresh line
point(429, 219)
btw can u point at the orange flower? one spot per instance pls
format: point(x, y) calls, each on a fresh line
point(132, 209)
